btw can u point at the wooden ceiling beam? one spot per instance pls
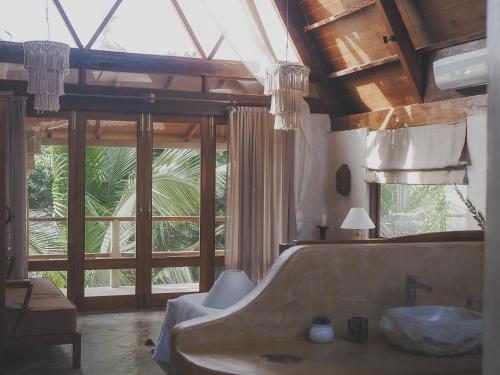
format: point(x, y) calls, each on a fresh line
point(362, 67)
point(216, 47)
point(137, 63)
point(191, 132)
point(350, 10)
point(307, 51)
point(410, 60)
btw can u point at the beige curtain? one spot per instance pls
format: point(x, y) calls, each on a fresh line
point(260, 210)
point(16, 186)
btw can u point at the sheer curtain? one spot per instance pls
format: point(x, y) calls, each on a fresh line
point(260, 196)
point(16, 185)
point(241, 25)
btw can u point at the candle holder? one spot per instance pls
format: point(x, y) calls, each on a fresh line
point(322, 232)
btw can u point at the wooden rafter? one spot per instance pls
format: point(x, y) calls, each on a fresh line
point(168, 82)
point(410, 61)
point(306, 50)
point(103, 23)
point(352, 9)
point(190, 133)
point(68, 23)
point(362, 67)
point(137, 63)
point(216, 47)
point(188, 28)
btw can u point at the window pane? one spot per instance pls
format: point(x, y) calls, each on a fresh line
point(47, 186)
point(226, 52)
point(176, 187)
point(175, 279)
point(147, 26)
point(23, 20)
point(86, 16)
point(110, 188)
point(413, 209)
point(220, 186)
point(204, 27)
point(119, 282)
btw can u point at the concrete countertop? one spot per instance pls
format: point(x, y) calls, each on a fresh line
point(376, 357)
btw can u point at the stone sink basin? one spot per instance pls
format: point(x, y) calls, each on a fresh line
point(434, 330)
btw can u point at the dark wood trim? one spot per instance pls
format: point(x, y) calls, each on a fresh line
point(138, 62)
point(76, 208)
point(207, 199)
point(47, 265)
point(68, 23)
point(362, 67)
point(347, 12)
point(106, 303)
point(410, 60)
point(443, 112)
point(103, 23)
point(308, 52)
point(110, 264)
point(452, 236)
point(188, 28)
point(3, 202)
point(374, 192)
point(144, 203)
point(216, 47)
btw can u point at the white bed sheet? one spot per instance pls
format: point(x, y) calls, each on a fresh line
point(178, 310)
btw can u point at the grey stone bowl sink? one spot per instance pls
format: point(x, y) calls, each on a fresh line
point(434, 330)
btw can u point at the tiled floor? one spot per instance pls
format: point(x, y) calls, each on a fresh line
point(111, 344)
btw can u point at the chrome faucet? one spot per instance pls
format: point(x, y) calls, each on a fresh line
point(411, 287)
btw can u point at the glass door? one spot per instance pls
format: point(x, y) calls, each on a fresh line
point(110, 209)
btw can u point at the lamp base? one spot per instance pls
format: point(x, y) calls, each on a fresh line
point(359, 234)
point(322, 232)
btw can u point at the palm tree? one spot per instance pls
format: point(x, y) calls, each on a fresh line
point(111, 191)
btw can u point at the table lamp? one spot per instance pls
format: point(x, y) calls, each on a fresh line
point(358, 219)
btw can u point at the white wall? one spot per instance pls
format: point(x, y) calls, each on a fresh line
point(476, 171)
point(346, 147)
point(315, 201)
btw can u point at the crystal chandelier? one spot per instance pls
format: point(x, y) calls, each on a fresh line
point(287, 83)
point(47, 63)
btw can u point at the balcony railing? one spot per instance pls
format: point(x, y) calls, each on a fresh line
point(115, 252)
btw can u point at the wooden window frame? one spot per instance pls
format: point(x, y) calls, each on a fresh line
point(78, 261)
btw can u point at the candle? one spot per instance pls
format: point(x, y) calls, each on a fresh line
point(323, 220)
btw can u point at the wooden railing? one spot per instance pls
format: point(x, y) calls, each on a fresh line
point(115, 252)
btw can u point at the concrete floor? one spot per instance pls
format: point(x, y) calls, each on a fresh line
point(111, 344)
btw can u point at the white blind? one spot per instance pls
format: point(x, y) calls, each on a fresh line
point(420, 155)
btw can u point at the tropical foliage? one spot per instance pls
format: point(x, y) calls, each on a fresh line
point(111, 191)
point(412, 209)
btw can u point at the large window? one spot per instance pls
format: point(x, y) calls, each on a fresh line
point(142, 225)
point(414, 209)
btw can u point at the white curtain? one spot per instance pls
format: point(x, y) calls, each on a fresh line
point(241, 25)
point(421, 155)
point(16, 186)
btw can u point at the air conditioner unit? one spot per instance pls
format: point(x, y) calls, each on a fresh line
point(460, 71)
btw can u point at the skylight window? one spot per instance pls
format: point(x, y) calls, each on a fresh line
point(146, 26)
point(162, 27)
point(86, 16)
point(24, 20)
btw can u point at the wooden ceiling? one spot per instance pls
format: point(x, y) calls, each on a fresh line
point(367, 55)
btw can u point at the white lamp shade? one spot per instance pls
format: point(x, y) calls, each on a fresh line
point(230, 287)
point(357, 218)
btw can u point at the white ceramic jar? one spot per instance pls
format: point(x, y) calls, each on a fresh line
point(321, 333)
